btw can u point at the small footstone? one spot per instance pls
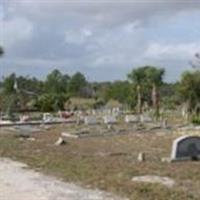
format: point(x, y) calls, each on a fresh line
point(141, 157)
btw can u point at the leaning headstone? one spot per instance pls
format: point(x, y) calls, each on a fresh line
point(131, 118)
point(64, 134)
point(90, 120)
point(186, 148)
point(60, 141)
point(109, 119)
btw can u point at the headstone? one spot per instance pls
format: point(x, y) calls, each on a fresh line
point(60, 141)
point(90, 120)
point(186, 148)
point(116, 111)
point(131, 118)
point(145, 118)
point(24, 118)
point(185, 111)
point(141, 157)
point(109, 111)
point(47, 117)
point(109, 119)
point(110, 127)
point(69, 135)
point(164, 123)
point(94, 112)
point(79, 119)
point(166, 159)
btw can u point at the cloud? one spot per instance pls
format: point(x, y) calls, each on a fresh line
point(90, 36)
point(172, 51)
point(104, 13)
point(1, 12)
point(77, 36)
point(15, 31)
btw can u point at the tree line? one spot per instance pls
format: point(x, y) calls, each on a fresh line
point(144, 86)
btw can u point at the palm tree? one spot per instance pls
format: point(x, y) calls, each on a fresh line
point(195, 63)
point(146, 79)
point(1, 51)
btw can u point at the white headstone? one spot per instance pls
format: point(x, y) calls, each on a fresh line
point(60, 141)
point(141, 157)
point(93, 112)
point(90, 120)
point(186, 148)
point(24, 118)
point(131, 118)
point(47, 117)
point(109, 119)
point(116, 110)
point(145, 118)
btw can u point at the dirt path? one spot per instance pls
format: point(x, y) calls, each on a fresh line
point(17, 182)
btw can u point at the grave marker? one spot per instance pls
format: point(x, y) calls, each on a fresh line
point(186, 148)
point(90, 120)
point(131, 118)
point(109, 119)
point(145, 118)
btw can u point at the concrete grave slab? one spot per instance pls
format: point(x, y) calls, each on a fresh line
point(155, 179)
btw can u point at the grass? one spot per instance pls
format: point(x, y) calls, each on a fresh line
point(107, 163)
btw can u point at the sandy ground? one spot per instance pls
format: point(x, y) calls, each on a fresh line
point(17, 182)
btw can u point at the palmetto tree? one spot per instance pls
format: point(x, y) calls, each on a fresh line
point(146, 79)
point(195, 63)
point(1, 51)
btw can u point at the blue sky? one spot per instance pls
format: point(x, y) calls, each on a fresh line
point(103, 39)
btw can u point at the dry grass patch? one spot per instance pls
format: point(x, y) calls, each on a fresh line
point(108, 163)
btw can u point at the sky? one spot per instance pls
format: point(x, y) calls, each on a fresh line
point(103, 39)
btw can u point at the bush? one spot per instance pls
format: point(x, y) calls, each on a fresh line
point(98, 103)
point(51, 102)
point(196, 120)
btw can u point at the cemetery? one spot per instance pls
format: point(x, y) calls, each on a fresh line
point(99, 100)
point(145, 152)
point(122, 155)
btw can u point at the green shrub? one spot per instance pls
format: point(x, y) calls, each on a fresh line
point(51, 102)
point(196, 119)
